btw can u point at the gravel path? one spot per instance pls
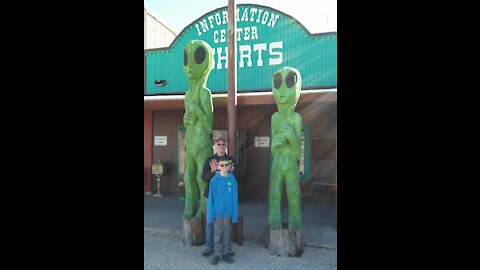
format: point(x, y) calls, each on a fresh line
point(163, 249)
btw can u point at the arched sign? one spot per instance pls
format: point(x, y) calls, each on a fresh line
point(267, 40)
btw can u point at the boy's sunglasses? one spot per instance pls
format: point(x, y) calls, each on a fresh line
point(223, 165)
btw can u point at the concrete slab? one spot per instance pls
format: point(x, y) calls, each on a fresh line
point(166, 213)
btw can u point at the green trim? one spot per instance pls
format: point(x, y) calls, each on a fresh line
point(180, 128)
point(306, 152)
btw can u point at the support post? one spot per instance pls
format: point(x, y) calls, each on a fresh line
point(232, 80)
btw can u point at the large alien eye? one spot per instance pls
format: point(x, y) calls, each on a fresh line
point(185, 57)
point(277, 80)
point(291, 79)
point(200, 55)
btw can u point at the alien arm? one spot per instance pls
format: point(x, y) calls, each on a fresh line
point(206, 111)
point(294, 135)
point(278, 139)
point(288, 133)
point(188, 118)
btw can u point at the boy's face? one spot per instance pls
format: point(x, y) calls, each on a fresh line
point(223, 166)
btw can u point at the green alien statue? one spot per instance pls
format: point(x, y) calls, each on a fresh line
point(198, 119)
point(285, 148)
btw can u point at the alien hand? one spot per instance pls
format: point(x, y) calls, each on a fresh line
point(191, 107)
point(286, 128)
point(188, 119)
point(279, 139)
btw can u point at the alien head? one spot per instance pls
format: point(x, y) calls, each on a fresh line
point(286, 86)
point(197, 59)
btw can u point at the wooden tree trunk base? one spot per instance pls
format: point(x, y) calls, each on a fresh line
point(193, 233)
point(284, 242)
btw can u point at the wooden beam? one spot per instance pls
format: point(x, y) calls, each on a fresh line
point(264, 98)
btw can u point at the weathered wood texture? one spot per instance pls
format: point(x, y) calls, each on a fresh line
point(284, 242)
point(193, 233)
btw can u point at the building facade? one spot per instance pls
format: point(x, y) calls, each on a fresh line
point(156, 32)
point(267, 40)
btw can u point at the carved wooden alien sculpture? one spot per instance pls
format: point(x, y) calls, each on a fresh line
point(198, 63)
point(285, 148)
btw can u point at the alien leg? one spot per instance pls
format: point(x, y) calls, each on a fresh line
point(292, 182)
point(191, 188)
point(201, 185)
point(274, 200)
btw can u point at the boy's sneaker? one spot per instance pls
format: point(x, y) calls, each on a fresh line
point(231, 252)
point(215, 260)
point(227, 258)
point(207, 252)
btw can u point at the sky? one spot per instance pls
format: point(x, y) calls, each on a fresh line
point(317, 16)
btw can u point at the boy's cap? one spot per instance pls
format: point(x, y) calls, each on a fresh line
point(223, 162)
point(222, 158)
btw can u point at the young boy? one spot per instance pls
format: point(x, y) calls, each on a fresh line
point(222, 209)
point(209, 169)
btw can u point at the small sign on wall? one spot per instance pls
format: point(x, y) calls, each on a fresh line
point(262, 141)
point(160, 140)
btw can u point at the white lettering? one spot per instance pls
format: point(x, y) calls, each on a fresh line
point(273, 20)
point(210, 18)
point(220, 57)
point(253, 11)
point(223, 35)
point(259, 14)
point(260, 47)
point(279, 60)
point(204, 25)
point(265, 17)
point(253, 15)
point(254, 33)
point(225, 17)
point(237, 14)
point(239, 33)
point(246, 31)
point(198, 29)
point(218, 19)
point(245, 52)
point(245, 15)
